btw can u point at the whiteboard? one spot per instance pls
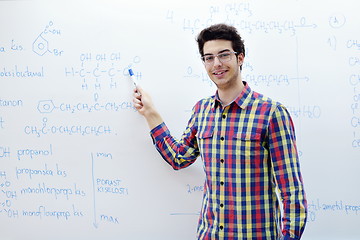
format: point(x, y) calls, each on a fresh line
point(76, 159)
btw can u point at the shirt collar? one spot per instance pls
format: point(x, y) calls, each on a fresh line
point(242, 100)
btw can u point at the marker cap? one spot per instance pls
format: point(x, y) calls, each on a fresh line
point(131, 73)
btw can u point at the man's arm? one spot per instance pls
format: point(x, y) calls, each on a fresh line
point(178, 153)
point(143, 103)
point(285, 161)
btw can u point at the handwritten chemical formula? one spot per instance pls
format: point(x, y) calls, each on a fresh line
point(103, 71)
point(75, 153)
point(42, 44)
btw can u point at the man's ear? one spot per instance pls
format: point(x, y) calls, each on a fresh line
point(240, 57)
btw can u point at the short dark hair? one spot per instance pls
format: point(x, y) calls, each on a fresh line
point(223, 32)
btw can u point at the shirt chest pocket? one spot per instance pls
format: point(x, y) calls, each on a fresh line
point(249, 149)
point(247, 136)
point(248, 144)
point(206, 141)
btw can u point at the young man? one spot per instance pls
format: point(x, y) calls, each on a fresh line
point(247, 145)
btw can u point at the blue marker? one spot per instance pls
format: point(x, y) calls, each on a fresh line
point(131, 73)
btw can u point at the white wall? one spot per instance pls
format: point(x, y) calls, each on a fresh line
point(69, 132)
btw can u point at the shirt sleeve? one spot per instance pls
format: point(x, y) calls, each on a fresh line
point(178, 153)
point(285, 162)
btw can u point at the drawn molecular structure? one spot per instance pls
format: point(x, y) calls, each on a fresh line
point(45, 106)
point(41, 45)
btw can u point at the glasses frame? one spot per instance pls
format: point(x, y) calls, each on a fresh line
point(203, 58)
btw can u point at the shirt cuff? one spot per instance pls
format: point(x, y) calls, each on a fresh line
point(159, 132)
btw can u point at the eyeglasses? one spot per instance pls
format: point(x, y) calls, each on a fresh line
point(223, 57)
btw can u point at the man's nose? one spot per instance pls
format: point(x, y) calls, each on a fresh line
point(217, 61)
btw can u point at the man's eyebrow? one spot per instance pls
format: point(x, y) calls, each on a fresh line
point(224, 50)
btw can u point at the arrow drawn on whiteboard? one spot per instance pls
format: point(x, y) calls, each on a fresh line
point(96, 225)
point(305, 25)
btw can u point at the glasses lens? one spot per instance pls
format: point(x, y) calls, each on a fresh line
point(208, 58)
point(223, 57)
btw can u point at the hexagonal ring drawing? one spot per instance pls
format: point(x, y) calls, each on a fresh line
point(46, 106)
point(40, 45)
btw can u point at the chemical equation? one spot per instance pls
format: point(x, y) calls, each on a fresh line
point(305, 111)
point(98, 71)
point(240, 15)
point(269, 80)
point(83, 130)
point(203, 77)
point(251, 27)
point(48, 106)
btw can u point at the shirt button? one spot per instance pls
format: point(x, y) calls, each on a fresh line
point(222, 183)
point(222, 160)
point(221, 205)
point(223, 116)
point(222, 138)
point(221, 227)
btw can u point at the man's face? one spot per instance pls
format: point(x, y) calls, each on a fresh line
point(221, 63)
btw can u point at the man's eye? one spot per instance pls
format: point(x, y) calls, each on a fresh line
point(209, 58)
point(224, 55)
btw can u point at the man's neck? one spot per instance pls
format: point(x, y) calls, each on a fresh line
point(229, 94)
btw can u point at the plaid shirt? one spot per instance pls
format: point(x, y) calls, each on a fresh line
point(249, 152)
